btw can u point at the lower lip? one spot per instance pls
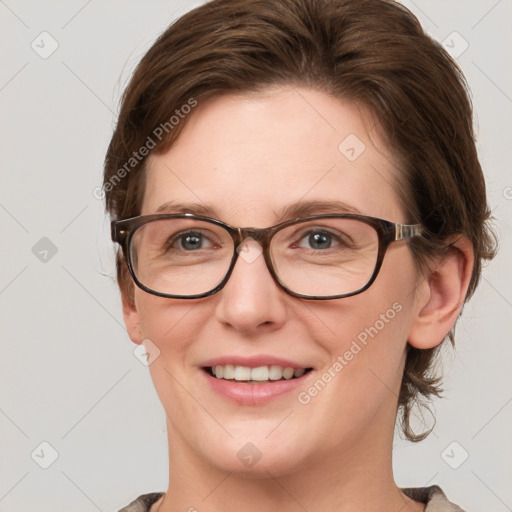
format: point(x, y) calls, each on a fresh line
point(252, 394)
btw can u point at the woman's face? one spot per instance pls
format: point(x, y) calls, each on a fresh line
point(247, 158)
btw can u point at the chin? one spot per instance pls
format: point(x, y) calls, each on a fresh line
point(270, 465)
point(258, 458)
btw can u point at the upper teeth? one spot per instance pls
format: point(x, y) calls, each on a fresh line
point(274, 372)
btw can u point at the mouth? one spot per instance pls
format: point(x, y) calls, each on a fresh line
point(258, 375)
point(255, 380)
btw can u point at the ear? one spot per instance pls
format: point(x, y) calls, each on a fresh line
point(131, 319)
point(442, 294)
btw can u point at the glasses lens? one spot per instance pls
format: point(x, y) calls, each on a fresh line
point(325, 257)
point(180, 256)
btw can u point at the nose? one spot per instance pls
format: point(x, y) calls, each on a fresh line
point(251, 301)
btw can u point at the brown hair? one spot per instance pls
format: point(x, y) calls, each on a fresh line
point(372, 52)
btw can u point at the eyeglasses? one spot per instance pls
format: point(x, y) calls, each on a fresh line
point(319, 257)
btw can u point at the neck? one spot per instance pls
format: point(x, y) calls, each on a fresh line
point(357, 478)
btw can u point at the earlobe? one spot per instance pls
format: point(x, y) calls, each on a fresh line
point(131, 320)
point(442, 295)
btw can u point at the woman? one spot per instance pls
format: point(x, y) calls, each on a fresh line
point(301, 215)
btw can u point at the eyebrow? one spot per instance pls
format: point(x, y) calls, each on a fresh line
point(195, 208)
point(292, 211)
point(305, 208)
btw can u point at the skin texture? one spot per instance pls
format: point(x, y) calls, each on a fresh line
point(247, 157)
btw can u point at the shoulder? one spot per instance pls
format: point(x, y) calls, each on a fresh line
point(433, 497)
point(143, 503)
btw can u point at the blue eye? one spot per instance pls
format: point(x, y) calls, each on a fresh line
point(190, 241)
point(318, 240)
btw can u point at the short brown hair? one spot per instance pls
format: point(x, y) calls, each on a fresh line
point(371, 52)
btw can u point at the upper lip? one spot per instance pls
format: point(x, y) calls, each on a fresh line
point(254, 361)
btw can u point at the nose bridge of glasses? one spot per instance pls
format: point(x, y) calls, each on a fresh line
point(259, 235)
point(252, 243)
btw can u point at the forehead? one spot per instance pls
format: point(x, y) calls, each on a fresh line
point(247, 158)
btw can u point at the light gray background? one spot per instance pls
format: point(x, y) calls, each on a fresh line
point(68, 375)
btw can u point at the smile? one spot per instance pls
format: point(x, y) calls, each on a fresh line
point(255, 385)
point(257, 374)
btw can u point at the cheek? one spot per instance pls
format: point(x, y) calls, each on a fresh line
point(369, 337)
point(382, 312)
point(172, 326)
point(362, 372)
point(368, 332)
point(162, 319)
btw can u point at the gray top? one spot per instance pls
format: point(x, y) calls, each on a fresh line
point(433, 497)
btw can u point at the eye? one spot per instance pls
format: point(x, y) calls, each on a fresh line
point(190, 241)
point(318, 239)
